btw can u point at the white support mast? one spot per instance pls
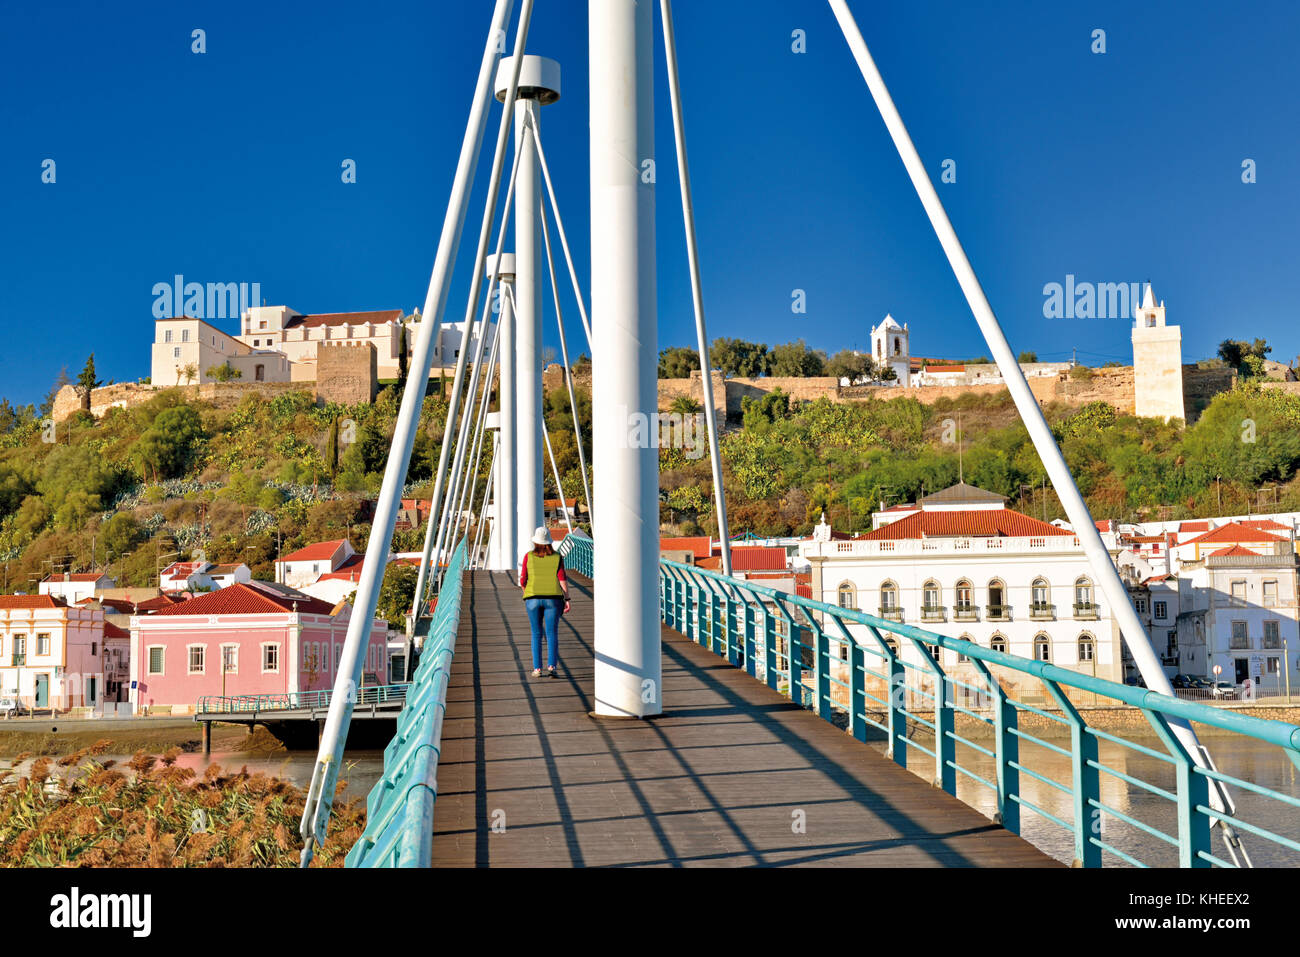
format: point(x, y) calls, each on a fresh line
point(624, 360)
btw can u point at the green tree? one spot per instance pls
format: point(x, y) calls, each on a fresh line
point(678, 362)
point(795, 359)
point(121, 534)
point(396, 594)
point(736, 357)
point(847, 364)
point(765, 409)
point(1027, 357)
point(1235, 352)
point(402, 360)
point(224, 372)
point(86, 383)
point(685, 405)
point(167, 447)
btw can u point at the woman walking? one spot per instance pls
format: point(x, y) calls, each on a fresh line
point(546, 597)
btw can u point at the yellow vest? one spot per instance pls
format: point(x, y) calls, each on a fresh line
point(542, 581)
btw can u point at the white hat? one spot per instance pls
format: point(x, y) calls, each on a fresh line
point(541, 536)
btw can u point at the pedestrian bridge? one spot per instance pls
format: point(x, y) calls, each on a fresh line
point(491, 767)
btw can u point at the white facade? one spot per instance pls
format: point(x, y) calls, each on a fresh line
point(305, 566)
point(185, 342)
point(72, 588)
point(889, 347)
point(1157, 362)
point(1033, 596)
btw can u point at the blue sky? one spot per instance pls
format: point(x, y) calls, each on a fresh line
point(225, 167)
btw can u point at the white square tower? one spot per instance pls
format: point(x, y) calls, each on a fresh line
point(1157, 362)
point(889, 347)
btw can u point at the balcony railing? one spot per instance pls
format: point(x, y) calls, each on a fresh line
point(20, 658)
point(893, 613)
point(1041, 609)
point(965, 613)
point(1237, 643)
point(933, 612)
point(1085, 609)
point(1272, 642)
point(998, 612)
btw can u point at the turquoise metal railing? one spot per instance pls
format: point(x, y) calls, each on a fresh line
point(575, 548)
point(805, 648)
point(295, 701)
point(399, 808)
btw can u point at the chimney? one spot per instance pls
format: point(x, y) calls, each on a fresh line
point(67, 576)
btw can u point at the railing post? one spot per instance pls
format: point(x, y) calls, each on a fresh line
point(945, 745)
point(747, 611)
point(689, 609)
point(1007, 748)
point(1193, 791)
point(857, 682)
point(715, 620)
point(729, 630)
point(897, 715)
point(1086, 781)
point(793, 664)
point(769, 648)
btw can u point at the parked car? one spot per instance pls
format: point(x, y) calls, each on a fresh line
point(1205, 684)
point(11, 707)
point(1224, 689)
point(1181, 681)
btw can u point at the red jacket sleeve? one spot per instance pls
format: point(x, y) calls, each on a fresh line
point(523, 571)
point(559, 575)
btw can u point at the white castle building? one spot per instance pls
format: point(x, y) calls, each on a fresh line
point(279, 344)
point(1157, 362)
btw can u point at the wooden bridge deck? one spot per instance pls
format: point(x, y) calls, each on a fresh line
point(526, 778)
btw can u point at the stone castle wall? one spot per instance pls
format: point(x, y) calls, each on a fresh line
point(347, 373)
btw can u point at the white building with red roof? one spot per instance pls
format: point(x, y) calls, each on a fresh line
point(250, 638)
point(307, 564)
point(51, 652)
point(72, 587)
point(961, 563)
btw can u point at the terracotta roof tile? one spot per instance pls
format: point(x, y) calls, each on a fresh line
point(32, 601)
point(1233, 532)
point(701, 546)
point(315, 552)
point(756, 558)
point(345, 318)
point(244, 598)
point(973, 523)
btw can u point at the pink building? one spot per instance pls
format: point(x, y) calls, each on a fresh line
point(266, 638)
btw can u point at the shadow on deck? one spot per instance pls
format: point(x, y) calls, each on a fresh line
point(725, 777)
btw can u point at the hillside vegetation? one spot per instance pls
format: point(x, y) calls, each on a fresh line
point(176, 477)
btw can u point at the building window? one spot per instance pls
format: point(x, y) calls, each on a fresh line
point(230, 659)
point(997, 599)
point(156, 660)
point(197, 659)
point(43, 645)
point(1161, 610)
point(1270, 594)
point(998, 643)
point(259, 372)
point(167, 335)
point(270, 658)
point(963, 658)
point(262, 324)
point(1083, 597)
point(176, 352)
point(20, 649)
point(845, 595)
point(964, 594)
point(1041, 597)
point(1239, 593)
point(185, 335)
point(94, 648)
point(1240, 636)
point(1271, 664)
point(1085, 648)
point(888, 598)
point(1141, 605)
point(1042, 648)
point(1272, 634)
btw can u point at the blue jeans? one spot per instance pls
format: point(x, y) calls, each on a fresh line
point(544, 613)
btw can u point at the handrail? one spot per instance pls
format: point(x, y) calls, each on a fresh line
point(399, 808)
point(294, 700)
point(576, 550)
point(784, 639)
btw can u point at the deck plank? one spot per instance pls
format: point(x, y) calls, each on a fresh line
point(714, 781)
